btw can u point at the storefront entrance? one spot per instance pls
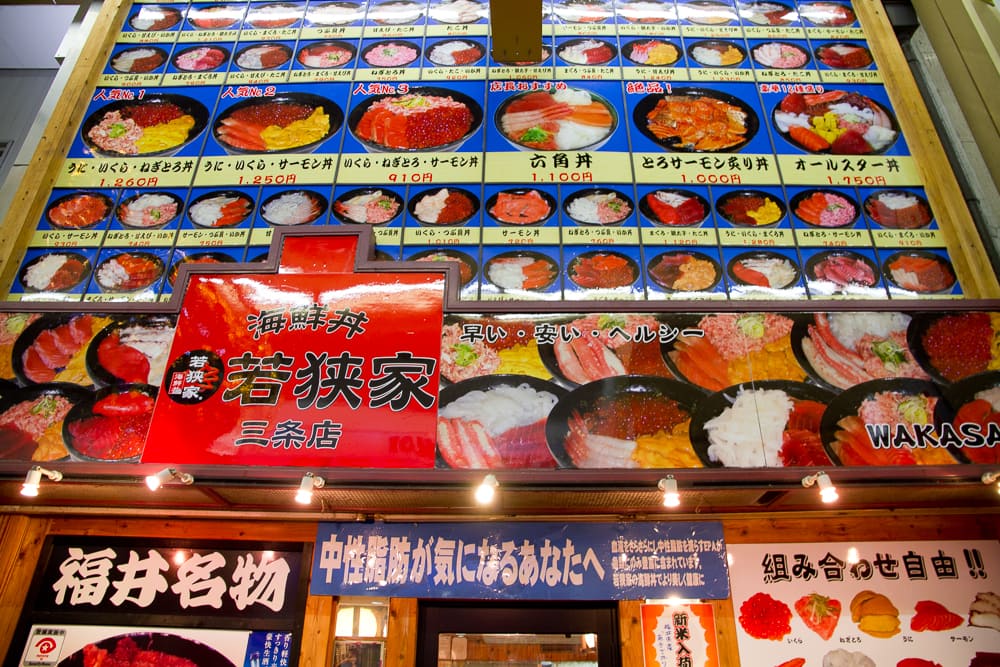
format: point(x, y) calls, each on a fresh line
point(517, 634)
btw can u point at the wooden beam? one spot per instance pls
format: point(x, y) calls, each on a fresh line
point(29, 201)
point(630, 632)
point(401, 643)
point(21, 539)
point(965, 246)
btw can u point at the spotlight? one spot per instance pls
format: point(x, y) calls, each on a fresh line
point(159, 479)
point(668, 485)
point(309, 482)
point(992, 478)
point(486, 491)
point(827, 491)
point(34, 478)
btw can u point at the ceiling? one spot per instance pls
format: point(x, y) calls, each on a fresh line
point(447, 494)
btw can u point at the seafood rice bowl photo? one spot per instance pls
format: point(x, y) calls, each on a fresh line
point(522, 270)
point(221, 208)
point(496, 421)
point(598, 206)
point(129, 272)
point(696, 120)
point(631, 421)
point(326, 55)
point(158, 125)
point(837, 121)
point(567, 119)
point(443, 206)
point(285, 123)
point(521, 206)
point(149, 210)
point(293, 207)
point(78, 210)
point(424, 119)
point(368, 206)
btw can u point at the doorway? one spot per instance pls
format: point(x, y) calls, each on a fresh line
point(479, 633)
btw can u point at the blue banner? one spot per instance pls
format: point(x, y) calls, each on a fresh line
point(526, 561)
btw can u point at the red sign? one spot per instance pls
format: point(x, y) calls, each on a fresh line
point(303, 369)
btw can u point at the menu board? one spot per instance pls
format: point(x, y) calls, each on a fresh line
point(661, 150)
point(902, 604)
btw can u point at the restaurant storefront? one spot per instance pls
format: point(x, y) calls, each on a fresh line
point(664, 295)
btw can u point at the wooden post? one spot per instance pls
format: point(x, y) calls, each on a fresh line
point(516, 30)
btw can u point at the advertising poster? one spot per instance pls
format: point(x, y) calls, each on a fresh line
point(90, 646)
point(877, 604)
point(656, 152)
point(679, 635)
point(111, 601)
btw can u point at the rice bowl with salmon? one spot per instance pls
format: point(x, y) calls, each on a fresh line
point(567, 119)
point(287, 122)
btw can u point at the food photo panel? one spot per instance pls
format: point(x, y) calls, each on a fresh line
point(133, 123)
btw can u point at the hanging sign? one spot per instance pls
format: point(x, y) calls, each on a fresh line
point(534, 561)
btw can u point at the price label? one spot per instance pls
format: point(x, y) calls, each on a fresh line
point(558, 167)
point(598, 235)
point(704, 236)
point(849, 170)
point(705, 169)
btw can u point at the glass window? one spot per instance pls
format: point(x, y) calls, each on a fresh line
point(517, 650)
point(360, 630)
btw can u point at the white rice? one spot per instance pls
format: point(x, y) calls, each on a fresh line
point(573, 96)
point(844, 658)
point(707, 56)
point(331, 14)
point(39, 275)
point(573, 135)
point(430, 206)
point(577, 54)
point(458, 11)
point(991, 395)
point(154, 343)
point(670, 198)
point(848, 328)
point(778, 271)
point(112, 274)
point(443, 54)
point(584, 209)
point(141, 212)
point(735, 443)
point(291, 208)
point(897, 200)
point(208, 211)
point(509, 272)
point(501, 408)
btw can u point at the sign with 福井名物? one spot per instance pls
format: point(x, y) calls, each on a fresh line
point(533, 561)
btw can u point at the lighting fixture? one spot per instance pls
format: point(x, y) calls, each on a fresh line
point(159, 479)
point(992, 478)
point(827, 491)
point(671, 497)
point(487, 490)
point(309, 482)
point(34, 478)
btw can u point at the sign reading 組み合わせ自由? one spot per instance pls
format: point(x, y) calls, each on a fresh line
point(522, 560)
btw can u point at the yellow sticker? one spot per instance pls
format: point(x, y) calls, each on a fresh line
point(126, 172)
point(908, 238)
point(832, 238)
point(282, 169)
point(706, 168)
point(558, 167)
point(400, 168)
point(703, 236)
point(844, 170)
point(755, 237)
